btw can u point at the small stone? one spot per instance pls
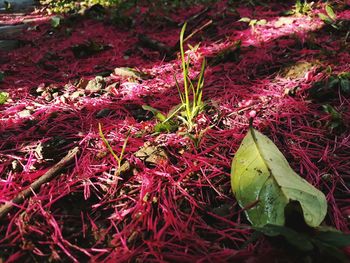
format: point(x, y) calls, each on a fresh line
point(299, 69)
point(41, 88)
point(47, 95)
point(62, 99)
point(95, 85)
point(31, 108)
point(127, 73)
point(24, 114)
point(38, 152)
point(77, 94)
point(16, 167)
point(82, 83)
point(151, 154)
point(252, 114)
point(111, 87)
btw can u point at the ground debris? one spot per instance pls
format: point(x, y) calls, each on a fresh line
point(151, 154)
point(95, 85)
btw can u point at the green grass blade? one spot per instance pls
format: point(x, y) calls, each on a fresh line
point(160, 116)
point(123, 148)
point(174, 113)
point(179, 90)
point(185, 66)
point(200, 83)
point(107, 143)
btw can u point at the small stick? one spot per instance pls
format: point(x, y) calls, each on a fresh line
point(193, 18)
point(163, 48)
point(176, 46)
point(154, 45)
point(198, 29)
point(48, 176)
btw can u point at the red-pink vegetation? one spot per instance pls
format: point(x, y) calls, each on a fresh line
point(181, 209)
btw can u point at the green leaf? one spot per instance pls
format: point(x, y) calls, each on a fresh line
point(264, 184)
point(327, 240)
point(336, 121)
point(107, 144)
point(330, 253)
point(2, 76)
point(164, 127)
point(296, 239)
point(330, 12)
point(261, 22)
point(345, 85)
point(344, 75)
point(288, 12)
point(253, 22)
point(333, 112)
point(298, 6)
point(325, 18)
point(8, 6)
point(55, 21)
point(333, 82)
point(244, 19)
point(156, 113)
point(3, 97)
point(333, 237)
point(166, 124)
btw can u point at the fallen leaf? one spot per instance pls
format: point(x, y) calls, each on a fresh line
point(24, 113)
point(127, 73)
point(298, 240)
point(325, 18)
point(88, 49)
point(55, 21)
point(330, 12)
point(284, 21)
point(264, 184)
point(245, 20)
point(3, 97)
point(332, 236)
point(326, 239)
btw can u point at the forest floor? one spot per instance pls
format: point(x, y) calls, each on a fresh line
point(171, 199)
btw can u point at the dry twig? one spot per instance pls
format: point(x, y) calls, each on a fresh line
point(48, 176)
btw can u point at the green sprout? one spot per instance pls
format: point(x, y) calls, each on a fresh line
point(330, 18)
point(116, 157)
point(302, 7)
point(191, 96)
point(194, 106)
